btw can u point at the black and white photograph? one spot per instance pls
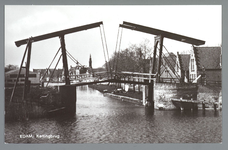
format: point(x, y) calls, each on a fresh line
point(113, 74)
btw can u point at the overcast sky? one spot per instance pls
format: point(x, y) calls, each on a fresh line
point(200, 22)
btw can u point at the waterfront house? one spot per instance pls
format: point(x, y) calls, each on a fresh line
point(78, 71)
point(206, 65)
point(182, 67)
point(74, 71)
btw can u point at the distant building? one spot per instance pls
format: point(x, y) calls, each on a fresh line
point(206, 64)
point(11, 77)
point(50, 74)
point(74, 70)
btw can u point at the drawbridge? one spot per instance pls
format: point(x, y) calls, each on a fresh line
point(111, 74)
point(158, 52)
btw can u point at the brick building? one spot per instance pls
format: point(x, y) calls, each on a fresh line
point(206, 65)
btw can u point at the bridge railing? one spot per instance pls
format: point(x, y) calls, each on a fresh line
point(138, 76)
point(133, 77)
point(169, 80)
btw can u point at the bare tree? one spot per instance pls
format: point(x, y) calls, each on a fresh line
point(135, 58)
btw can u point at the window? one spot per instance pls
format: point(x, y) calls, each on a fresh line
point(192, 65)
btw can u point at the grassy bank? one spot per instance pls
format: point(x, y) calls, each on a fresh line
point(38, 102)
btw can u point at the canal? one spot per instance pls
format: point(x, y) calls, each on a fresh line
point(101, 119)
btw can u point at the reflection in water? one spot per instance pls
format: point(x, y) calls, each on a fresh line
point(149, 112)
point(101, 119)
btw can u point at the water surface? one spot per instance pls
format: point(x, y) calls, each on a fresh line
point(102, 119)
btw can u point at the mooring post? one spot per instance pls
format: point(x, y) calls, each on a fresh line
point(68, 98)
point(203, 105)
point(42, 83)
point(194, 106)
point(215, 106)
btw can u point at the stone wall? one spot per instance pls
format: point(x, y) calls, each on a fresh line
point(163, 92)
point(213, 76)
point(209, 94)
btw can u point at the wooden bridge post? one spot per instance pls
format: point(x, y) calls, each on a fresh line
point(154, 56)
point(27, 81)
point(138, 84)
point(145, 94)
point(124, 83)
point(160, 39)
point(65, 65)
point(133, 84)
point(151, 94)
point(68, 98)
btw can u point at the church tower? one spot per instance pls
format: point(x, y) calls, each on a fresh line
point(90, 62)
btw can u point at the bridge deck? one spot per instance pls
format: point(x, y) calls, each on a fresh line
point(108, 80)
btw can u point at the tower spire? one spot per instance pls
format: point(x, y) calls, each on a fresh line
point(90, 61)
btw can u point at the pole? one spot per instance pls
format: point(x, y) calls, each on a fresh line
point(65, 65)
point(151, 94)
point(27, 83)
point(18, 75)
point(154, 57)
point(160, 56)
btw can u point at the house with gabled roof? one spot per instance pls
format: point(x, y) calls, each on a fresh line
point(182, 67)
point(206, 65)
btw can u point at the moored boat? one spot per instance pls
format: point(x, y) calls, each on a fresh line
point(185, 104)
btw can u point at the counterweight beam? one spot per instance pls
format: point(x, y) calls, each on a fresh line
point(165, 34)
point(58, 33)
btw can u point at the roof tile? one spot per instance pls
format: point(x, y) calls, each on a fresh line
point(209, 57)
